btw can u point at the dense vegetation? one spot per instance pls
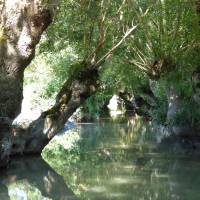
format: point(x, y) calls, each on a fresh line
point(75, 55)
point(160, 55)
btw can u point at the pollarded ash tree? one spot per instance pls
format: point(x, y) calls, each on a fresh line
point(167, 33)
point(166, 49)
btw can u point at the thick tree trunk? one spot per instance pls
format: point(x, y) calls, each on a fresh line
point(73, 93)
point(21, 26)
point(174, 128)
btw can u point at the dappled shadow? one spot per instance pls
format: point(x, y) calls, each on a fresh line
point(33, 172)
point(117, 161)
point(4, 192)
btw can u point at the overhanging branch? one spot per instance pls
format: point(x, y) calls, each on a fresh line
point(110, 51)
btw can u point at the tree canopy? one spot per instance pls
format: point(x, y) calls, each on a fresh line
point(163, 46)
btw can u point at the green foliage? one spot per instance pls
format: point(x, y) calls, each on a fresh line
point(46, 74)
point(95, 103)
point(86, 26)
point(180, 80)
point(78, 38)
point(167, 33)
point(189, 114)
point(114, 78)
point(117, 76)
point(164, 47)
point(116, 157)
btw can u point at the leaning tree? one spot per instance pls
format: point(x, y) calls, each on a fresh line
point(98, 25)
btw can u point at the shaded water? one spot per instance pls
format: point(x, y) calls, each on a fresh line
point(106, 161)
point(32, 178)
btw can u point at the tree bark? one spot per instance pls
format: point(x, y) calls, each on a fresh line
point(21, 26)
point(74, 92)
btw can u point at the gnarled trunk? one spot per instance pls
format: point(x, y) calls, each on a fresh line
point(21, 26)
point(73, 93)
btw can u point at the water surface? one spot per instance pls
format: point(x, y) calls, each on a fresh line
point(105, 162)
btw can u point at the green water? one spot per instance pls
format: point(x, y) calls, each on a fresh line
point(105, 162)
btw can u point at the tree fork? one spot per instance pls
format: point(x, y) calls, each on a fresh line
point(74, 92)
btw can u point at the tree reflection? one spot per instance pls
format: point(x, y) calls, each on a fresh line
point(4, 192)
point(33, 172)
point(116, 161)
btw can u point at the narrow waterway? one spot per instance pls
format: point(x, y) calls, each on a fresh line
point(105, 162)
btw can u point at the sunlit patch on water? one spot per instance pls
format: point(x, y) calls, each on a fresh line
point(104, 162)
point(128, 167)
point(117, 161)
point(127, 180)
point(97, 189)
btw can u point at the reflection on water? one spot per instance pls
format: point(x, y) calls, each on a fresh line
point(116, 161)
point(32, 179)
point(104, 162)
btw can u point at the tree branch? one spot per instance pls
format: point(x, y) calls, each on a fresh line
point(110, 51)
